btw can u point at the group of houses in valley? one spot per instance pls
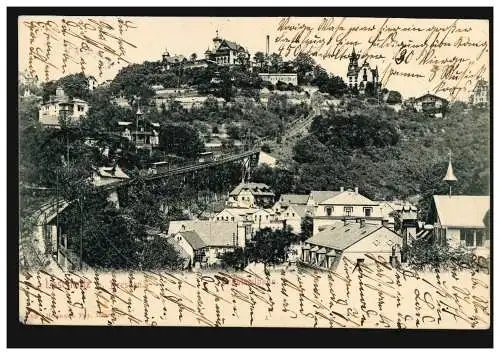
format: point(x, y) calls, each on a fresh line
point(345, 224)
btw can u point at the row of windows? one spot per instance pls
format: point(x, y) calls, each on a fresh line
point(225, 218)
point(367, 211)
point(472, 238)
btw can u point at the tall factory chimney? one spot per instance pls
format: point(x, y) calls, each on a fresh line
point(267, 46)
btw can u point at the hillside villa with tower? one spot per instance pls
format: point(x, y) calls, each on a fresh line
point(361, 77)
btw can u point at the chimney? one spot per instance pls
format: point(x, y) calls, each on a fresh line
point(362, 223)
point(267, 45)
point(341, 188)
point(356, 190)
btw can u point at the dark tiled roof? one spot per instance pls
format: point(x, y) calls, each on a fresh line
point(193, 239)
point(257, 189)
point(339, 236)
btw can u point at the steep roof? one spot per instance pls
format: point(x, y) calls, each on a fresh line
point(461, 211)
point(233, 45)
point(294, 199)
point(302, 210)
point(349, 197)
point(193, 239)
point(320, 196)
point(340, 237)
point(257, 189)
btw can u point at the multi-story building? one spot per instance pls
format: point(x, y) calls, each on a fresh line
point(61, 109)
point(206, 241)
point(480, 93)
point(227, 53)
point(353, 241)
point(431, 104)
point(250, 195)
point(331, 206)
point(360, 76)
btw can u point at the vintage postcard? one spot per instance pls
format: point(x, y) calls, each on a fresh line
point(291, 172)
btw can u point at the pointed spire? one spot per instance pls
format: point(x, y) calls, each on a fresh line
point(450, 176)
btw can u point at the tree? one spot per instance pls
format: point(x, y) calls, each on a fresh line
point(180, 139)
point(234, 259)
point(303, 64)
point(306, 225)
point(394, 97)
point(276, 62)
point(266, 148)
point(270, 246)
point(260, 58)
point(193, 57)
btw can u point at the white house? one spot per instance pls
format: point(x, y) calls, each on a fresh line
point(330, 206)
point(251, 194)
point(354, 241)
point(61, 107)
point(205, 241)
point(289, 199)
point(235, 214)
point(460, 221)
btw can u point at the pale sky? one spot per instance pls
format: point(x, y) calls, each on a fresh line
point(194, 35)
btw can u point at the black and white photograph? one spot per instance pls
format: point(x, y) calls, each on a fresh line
point(255, 172)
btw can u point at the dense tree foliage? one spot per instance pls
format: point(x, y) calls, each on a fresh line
point(74, 85)
point(180, 139)
point(270, 246)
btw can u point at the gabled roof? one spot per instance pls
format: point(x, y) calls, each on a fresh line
point(302, 210)
point(461, 211)
point(235, 211)
point(232, 45)
point(349, 197)
point(294, 199)
point(257, 189)
point(207, 233)
point(340, 237)
point(430, 96)
point(320, 196)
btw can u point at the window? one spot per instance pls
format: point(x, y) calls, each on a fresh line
point(347, 211)
point(467, 237)
point(368, 211)
point(217, 218)
point(80, 108)
point(479, 238)
point(293, 214)
point(329, 211)
point(232, 219)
